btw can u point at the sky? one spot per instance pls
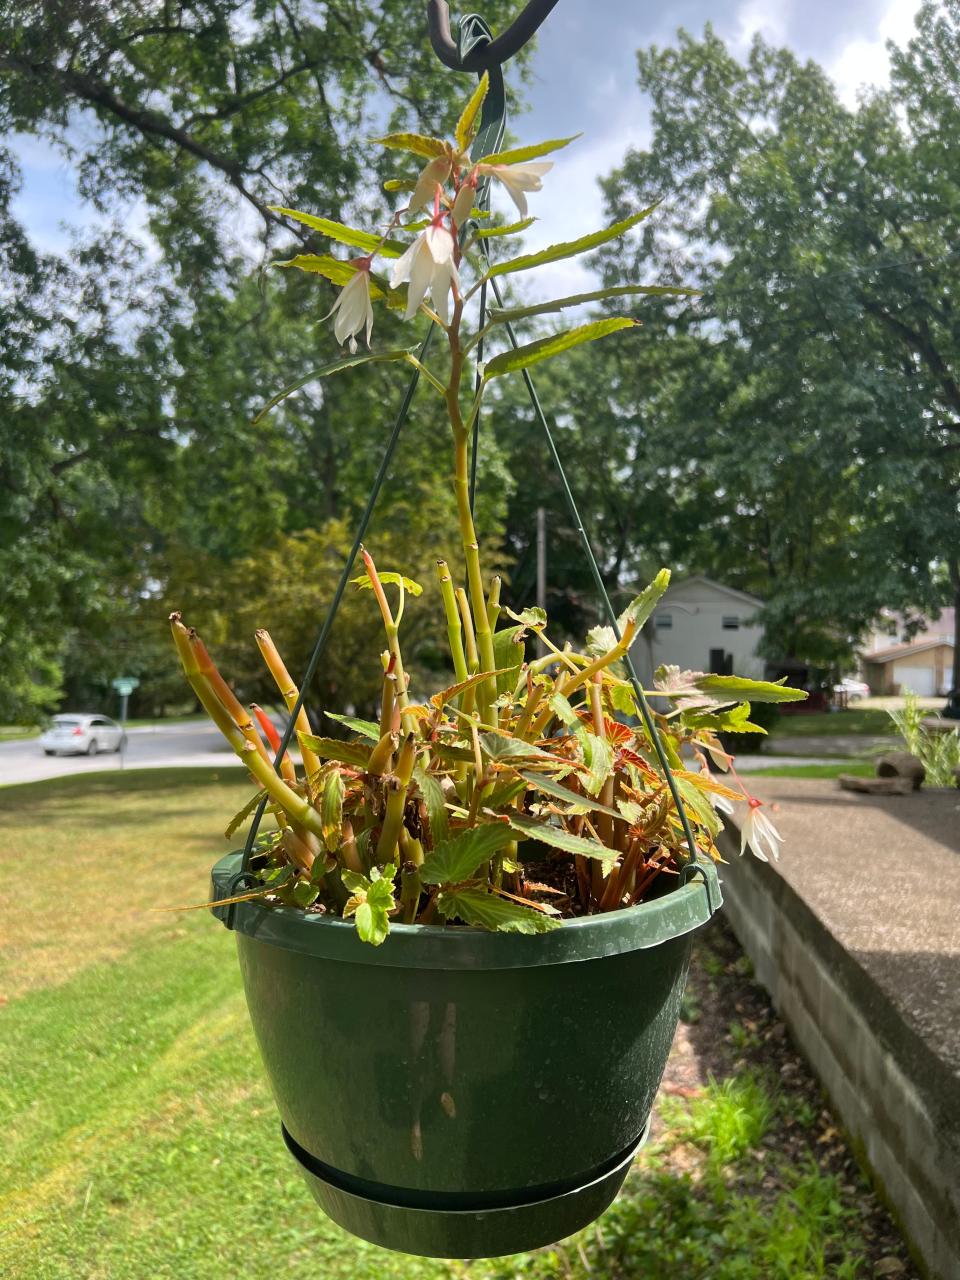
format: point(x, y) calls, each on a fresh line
point(584, 79)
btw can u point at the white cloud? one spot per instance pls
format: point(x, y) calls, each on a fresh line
point(866, 62)
point(767, 18)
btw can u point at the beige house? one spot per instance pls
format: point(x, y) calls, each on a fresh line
point(924, 667)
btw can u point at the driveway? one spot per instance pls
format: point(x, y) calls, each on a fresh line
point(188, 743)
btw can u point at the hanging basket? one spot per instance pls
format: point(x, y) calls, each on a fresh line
point(462, 1094)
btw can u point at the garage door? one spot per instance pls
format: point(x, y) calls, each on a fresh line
point(919, 679)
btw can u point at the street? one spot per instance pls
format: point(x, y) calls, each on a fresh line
point(189, 743)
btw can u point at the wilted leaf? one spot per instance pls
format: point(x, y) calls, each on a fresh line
point(508, 655)
point(238, 818)
point(331, 809)
point(447, 695)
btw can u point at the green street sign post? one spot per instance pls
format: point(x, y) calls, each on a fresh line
point(124, 685)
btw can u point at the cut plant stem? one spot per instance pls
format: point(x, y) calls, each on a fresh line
point(493, 603)
point(469, 697)
point(396, 785)
point(290, 694)
point(388, 697)
point(393, 641)
point(235, 709)
point(270, 732)
point(454, 634)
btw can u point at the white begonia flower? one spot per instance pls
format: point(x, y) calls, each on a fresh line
point(720, 803)
point(757, 831)
point(518, 178)
point(429, 266)
point(435, 174)
point(353, 309)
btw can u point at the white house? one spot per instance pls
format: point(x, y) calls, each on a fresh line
point(701, 625)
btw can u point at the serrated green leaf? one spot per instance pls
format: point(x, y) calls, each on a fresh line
point(325, 370)
point(736, 720)
point(546, 348)
point(597, 756)
point(561, 708)
point(331, 809)
point(557, 837)
point(570, 248)
point(390, 579)
point(418, 143)
point(365, 727)
point(372, 924)
point(579, 299)
point(468, 119)
point(238, 818)
point(352, 753)
point(434, 799)
point(518, 155)
point(510, 229)
point(304, 893)
point(333, 269)
point(549, 786)
point(485, 910)
point(534, 618)
point(736, 687)
point(339, 231)
point(497, 747)
point(458, 859)
point(622, 699)
point(640, 608)
point(354, 881)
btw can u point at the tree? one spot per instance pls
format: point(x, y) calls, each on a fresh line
point(814, 417)
point(130, 375)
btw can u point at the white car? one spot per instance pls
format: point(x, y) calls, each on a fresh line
point(853, 688)
point(77, 735)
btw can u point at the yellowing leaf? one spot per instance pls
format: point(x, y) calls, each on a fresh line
point(415, 142)
point(340, 231)
point(518, 155)
point(465, 125)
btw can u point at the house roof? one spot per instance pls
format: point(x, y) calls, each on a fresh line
point(702, 579)
point(905, 650)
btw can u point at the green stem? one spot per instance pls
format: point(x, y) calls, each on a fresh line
point(396, 786)
point(454, 635)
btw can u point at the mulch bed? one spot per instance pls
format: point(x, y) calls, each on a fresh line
point(720, 993)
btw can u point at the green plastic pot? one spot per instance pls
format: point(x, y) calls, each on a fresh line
point(457, 1093)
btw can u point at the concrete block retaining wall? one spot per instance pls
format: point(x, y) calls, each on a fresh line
point(899, 1103)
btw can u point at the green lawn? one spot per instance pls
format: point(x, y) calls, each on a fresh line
point(869, 720)
point(139, 1137)
point(810, 770)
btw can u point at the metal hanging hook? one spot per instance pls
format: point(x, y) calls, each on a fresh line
point(483, 56)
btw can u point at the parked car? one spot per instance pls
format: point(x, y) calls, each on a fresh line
point(75, 735)
point(853, 688)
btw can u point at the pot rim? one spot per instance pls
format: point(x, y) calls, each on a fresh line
point(419, 946)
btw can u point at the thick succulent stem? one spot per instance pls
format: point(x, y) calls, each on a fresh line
point(290, 694)
point(235, 709)
point(396, 786)
point(454, 635)
point(393, 641)
point(287, 769)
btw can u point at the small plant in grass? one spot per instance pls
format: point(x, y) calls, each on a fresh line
point(524, 792)
point(938, 751)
